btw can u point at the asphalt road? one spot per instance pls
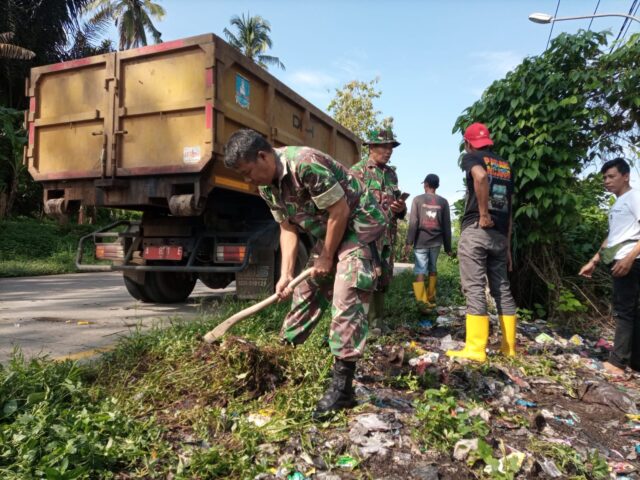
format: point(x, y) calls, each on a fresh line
point(79, 315)
point(82, 314)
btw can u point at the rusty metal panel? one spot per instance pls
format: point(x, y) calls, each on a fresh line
point(164, 120)
point(69, 103)
point(155, 113)
point(71, 149)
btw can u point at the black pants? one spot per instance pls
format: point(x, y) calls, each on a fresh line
point(626, 344)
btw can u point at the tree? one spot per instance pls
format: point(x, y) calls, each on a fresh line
point(552, 117)
point(49, 43)
point(132, 18)
point(353, 107)
point(12, 139)
point(252, 39)
point(8, 50)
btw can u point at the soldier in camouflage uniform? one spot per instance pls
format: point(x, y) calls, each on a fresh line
point(308, 191)
point(381, 180)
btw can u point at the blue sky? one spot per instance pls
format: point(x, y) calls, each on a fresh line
point(433, 58)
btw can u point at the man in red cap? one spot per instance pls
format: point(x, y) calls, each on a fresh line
point(484, 249)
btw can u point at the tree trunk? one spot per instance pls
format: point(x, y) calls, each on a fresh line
point(13, 192)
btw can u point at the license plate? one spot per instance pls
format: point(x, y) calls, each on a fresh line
point(166, 252)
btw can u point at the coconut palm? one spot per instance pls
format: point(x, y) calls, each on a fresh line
point(9, 50)
point(252, 39)
point(132, 18)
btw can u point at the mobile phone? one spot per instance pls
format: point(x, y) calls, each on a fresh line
point(404, 196)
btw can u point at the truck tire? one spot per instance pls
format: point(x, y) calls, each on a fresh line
point(169, 287)
point(136, 290)
point(216, 280)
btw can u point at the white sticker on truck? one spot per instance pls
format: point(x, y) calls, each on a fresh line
point(191, 154)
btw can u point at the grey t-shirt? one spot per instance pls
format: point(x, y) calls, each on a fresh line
point(429, 222)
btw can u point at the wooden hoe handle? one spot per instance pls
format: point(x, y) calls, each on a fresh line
point(221, 329)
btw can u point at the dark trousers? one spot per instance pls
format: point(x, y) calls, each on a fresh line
point(626, 343)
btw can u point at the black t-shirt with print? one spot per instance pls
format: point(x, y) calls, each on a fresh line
point(500, 177)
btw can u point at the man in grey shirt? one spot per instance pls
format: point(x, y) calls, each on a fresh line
point(429, 229)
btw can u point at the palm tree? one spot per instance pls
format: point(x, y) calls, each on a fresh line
point(253, 39)
point(8, 50)
point(132, 18)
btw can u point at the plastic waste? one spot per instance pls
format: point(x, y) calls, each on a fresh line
point(602, 343)
point(296, 476)
point(514, 460)
point(526, 403)
point(549, 467)
point(463, 448)
point(603, 393)
point(347, 462)
point(425, 323)
point(545, 338)
point(443, 321)
point(577, 340)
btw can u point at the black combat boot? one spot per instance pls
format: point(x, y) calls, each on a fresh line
point(340, 393)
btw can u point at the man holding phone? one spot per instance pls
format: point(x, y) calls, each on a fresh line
point(380, 179)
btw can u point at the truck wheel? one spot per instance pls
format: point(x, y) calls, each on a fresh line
point(216, 280)
point(136, 290)
point(169, 287)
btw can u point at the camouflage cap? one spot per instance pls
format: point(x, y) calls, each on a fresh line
point(379, 136)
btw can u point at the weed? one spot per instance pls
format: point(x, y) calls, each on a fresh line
point(570, 462)
point(442, 420)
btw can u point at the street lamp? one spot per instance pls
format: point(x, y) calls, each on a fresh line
point(546, 18)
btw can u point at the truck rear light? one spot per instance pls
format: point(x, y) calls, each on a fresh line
point(109, 251)
point(162, 252)
point(230, 253)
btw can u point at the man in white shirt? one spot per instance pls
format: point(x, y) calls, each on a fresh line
point(621, 250)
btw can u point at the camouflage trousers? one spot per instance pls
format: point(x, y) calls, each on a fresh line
point(348, 290)
point(386, 259)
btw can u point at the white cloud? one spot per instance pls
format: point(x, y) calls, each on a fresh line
point(314, 85)
point(312, 79)
point(497, 63)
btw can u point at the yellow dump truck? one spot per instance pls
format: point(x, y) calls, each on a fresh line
point(144, 130)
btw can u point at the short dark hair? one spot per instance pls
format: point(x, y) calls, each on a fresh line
point(432, 180)
point(243, 146)
point(619, 163)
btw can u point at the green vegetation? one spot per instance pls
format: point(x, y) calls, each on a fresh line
point(352, 106)
point(133, 18)
point(443, 420)
point(253, 39)
point(554, 117)
point(38, 247)
point(165, 402)
point(570, 462)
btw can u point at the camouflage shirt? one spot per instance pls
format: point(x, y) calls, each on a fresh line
point(382, 181)
point(310, 182)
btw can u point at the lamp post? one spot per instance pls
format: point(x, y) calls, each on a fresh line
point(546, 18)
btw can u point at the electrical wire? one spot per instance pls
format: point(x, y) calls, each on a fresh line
point(624, 24)
point(630, 21)
point(594, 12)
point(552, 24)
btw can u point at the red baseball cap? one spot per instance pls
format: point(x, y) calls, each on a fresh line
point(477, 134)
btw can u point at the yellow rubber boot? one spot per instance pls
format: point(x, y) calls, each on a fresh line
point(431, 288)
point(508, 327)
point(420, 292)
point(476, 341)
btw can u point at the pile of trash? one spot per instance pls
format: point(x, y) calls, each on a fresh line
point(550, 413)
